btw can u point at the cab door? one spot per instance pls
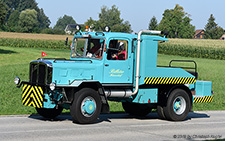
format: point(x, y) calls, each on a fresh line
point(118, 62)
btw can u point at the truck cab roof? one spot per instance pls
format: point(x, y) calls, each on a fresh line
point(108, 35)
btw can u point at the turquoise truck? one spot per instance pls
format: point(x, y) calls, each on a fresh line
point(112, 66)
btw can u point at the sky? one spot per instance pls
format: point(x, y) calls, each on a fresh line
point(137, 12)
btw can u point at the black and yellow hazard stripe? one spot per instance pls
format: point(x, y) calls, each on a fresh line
point(204, 99)
point(32, 96)
point(169, 80)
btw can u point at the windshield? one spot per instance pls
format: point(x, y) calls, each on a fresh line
point(87, 48)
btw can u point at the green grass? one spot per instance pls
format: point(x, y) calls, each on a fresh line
point(15, 62)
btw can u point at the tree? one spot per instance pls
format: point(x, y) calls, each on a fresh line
point(13, 20)
point(63, 22)
point(111, 18)
point(44, 21)
point(177, 23)
point(3, 13)
point(90, 22)
point(12, 4)
point(187, 30)
point(27, 4)
point(28, 21)
point(153, 23)
point(21, 5)
point(212, 30)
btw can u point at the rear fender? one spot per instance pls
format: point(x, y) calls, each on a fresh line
point(166, 91)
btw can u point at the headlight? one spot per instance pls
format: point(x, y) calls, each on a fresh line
point(107, 29)
point(52, 86)
point(78, 27)
point(17, 80)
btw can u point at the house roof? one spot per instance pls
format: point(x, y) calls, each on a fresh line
point(198, 31)
point(70, 27)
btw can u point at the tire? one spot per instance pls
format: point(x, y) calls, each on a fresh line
point(86, 106)
point(160, 112)
point(178, 105)
point(136, 109)
point(49, 113)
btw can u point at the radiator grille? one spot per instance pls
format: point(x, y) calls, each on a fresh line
point(40, 73)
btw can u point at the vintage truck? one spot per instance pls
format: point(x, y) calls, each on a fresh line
point(113, 66)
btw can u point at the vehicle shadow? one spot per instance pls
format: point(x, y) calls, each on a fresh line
point(3, 51)
point(116, 115)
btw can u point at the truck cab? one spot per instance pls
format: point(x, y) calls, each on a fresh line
point(112, 66)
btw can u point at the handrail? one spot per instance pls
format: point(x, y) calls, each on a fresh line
point(195, 65)
point(170, 64)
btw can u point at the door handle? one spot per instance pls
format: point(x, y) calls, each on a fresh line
point(106, 65)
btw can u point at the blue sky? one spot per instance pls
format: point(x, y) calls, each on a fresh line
point(137, 12)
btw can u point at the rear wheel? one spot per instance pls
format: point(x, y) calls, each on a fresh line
point(86, 106)
point(49, 113)
point(178, 105)
point(136, 109)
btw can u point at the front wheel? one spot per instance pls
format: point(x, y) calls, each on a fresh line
point(178, 105)
point(86, 106)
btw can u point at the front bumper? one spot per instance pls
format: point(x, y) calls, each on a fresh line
point(39, 95)
point(32, 94)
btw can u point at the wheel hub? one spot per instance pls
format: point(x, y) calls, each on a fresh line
point(88, 106)
point(179, 105)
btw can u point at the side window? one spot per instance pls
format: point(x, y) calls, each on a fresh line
point(117, 50)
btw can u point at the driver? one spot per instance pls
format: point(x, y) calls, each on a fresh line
point(96, 48)
point(122, 54)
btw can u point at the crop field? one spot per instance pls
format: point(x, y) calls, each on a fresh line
point(211, 49)
point(205, 43)
point(34, 36)
point(14, 61)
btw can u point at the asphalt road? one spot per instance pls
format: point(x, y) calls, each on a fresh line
point(204, 125)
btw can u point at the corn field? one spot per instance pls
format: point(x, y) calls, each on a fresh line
point(33, 43)
point(211, 49)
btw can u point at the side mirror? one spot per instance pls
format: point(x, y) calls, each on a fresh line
point(66, 41)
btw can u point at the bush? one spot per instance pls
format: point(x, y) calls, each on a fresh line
point(47, 31)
